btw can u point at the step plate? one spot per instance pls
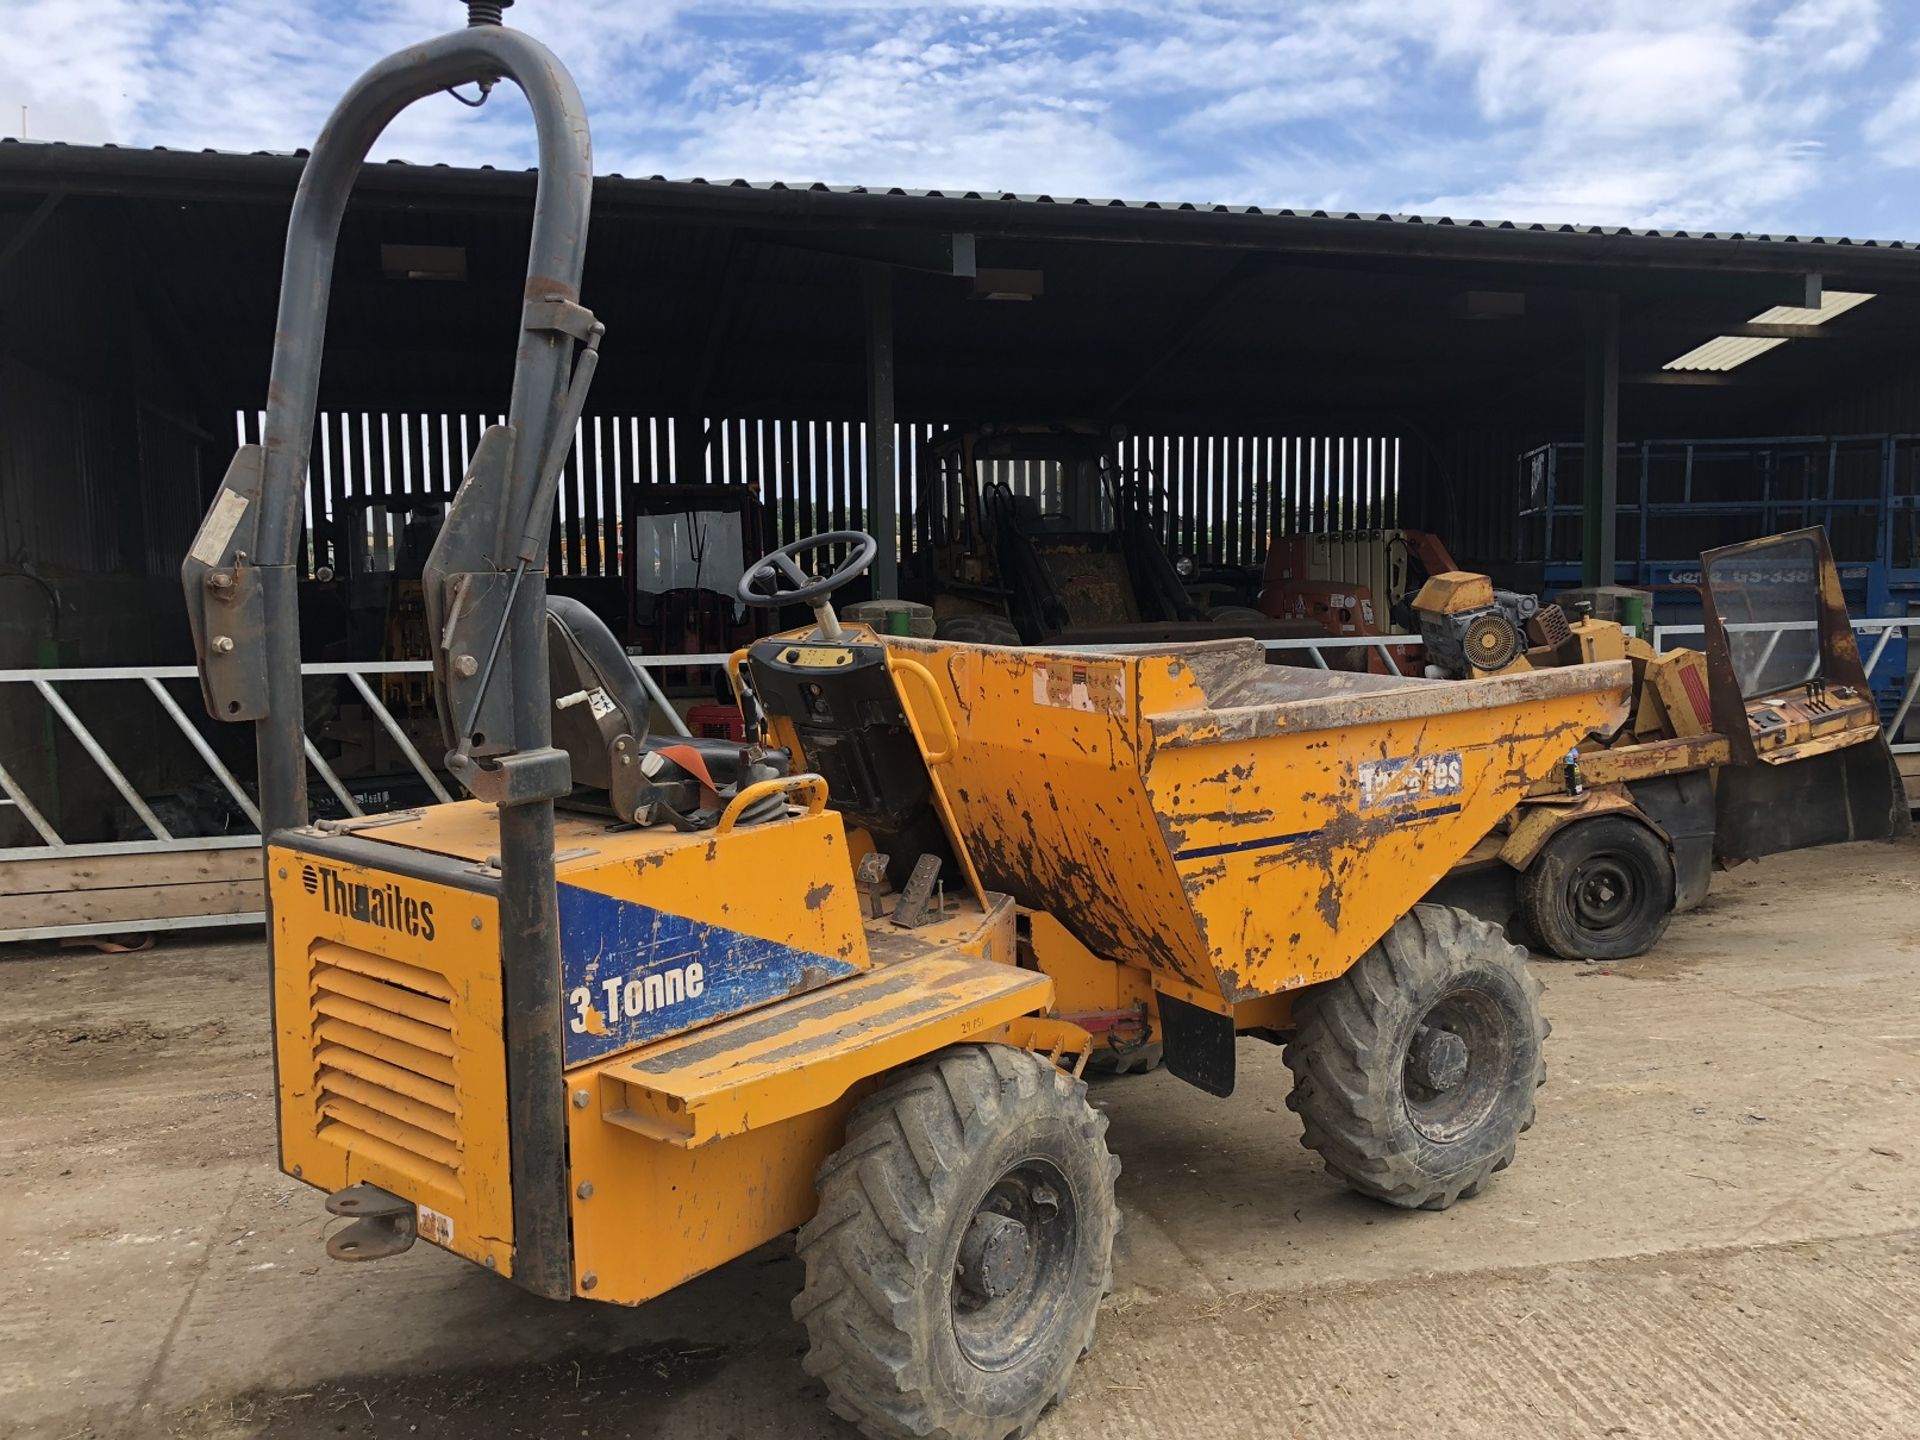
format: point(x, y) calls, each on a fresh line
point(802, 1054)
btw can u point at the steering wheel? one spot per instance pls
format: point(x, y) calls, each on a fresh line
point(791, 586)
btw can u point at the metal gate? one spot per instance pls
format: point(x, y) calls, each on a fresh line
point(167, 879)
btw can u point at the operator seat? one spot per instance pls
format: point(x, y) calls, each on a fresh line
point(585, 661)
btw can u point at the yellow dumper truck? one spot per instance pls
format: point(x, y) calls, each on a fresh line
point(636, 1007)
point(1768, 740)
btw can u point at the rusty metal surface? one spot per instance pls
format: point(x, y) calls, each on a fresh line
point(1839, 657)
point(1237, 852)
point(1625, 763)
point(1851, 793)
point(1536, 823)
point(1807, 762)
point(1267, 705)
point(1048, 794)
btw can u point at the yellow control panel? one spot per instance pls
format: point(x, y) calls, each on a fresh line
point(817, 657)
point(1789, 720)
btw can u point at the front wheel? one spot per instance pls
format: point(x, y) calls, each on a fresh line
point(1414, 1072)
point(963, 1243)
point(1602, 889)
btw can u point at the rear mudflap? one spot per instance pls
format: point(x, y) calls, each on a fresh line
point(1682, 806)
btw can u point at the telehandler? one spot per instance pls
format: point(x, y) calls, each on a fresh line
point(635, 1008)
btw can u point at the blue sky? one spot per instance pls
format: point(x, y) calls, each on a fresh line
point(1799, 117)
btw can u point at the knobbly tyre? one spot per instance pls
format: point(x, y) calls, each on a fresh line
point(637, 1007)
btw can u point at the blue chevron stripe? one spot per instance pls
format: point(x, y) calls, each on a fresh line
point(634, 974)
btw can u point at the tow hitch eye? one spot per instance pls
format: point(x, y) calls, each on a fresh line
point(383, 1223)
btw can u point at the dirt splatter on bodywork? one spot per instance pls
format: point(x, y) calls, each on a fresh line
point(1240, 828)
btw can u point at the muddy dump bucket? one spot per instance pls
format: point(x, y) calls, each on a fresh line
point(1239, 828)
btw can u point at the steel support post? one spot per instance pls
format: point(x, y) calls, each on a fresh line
point(1600, 455)
point(882, 472)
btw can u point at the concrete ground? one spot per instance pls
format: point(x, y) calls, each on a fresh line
point(1714, 1230)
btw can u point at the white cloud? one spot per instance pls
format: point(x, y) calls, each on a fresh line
point(264, 74)
point(1722, 113)
point(80, 74)
point(1829, 34)
point(1893, 130)
point(1692, 115)
point(910, 110)
point(1265, 105)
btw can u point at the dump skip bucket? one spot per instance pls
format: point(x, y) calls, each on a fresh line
point(1238, 827)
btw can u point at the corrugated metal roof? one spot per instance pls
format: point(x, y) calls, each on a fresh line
point(1832, 303)
point(1066, 201)
point(1727, 352)
point(1724, 352)
point(1281, 212)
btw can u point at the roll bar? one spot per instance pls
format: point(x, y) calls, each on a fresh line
point(485, 585)
point(250, 539)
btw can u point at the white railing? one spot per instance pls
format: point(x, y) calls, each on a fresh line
point(46, 683)
point(55, 688)
point(363, 677)
point(1317, 647)
point(152, 677)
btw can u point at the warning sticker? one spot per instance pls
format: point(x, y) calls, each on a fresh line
point(1098, 686)
point(600, 703)
point(210, 545)
point(434, 1226)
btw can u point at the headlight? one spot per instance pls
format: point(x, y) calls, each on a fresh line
point(1183, 567)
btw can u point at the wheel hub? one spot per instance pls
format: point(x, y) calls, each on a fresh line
point(1439, 1059)
point(1011, 1261)
point(1603, 892)
point(993, 1256)
point(1456, 1061)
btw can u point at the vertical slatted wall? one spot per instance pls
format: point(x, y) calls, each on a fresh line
point(1474, 487)
point(1220, 498)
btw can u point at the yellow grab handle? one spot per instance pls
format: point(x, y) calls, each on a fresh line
point(900, 665)
point(734, 662)
point(814, 785)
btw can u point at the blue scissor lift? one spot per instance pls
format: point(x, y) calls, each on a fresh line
point(1678, 498)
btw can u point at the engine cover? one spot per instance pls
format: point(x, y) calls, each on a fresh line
point(1468, 627)
point(1469, 642)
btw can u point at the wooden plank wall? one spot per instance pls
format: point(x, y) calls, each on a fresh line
point(102, 890)
point(1221, 496)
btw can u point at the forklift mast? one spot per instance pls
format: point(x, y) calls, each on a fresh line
point(485, 584)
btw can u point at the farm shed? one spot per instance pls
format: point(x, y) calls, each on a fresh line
point(1276, 371)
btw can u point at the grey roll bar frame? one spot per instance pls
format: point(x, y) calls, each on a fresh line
point(241, 573)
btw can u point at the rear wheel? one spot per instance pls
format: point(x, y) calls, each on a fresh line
point(1602, 889)
point(978, 630)
point(1236, 615)
point(1414, 1073)
point(963, 1242)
